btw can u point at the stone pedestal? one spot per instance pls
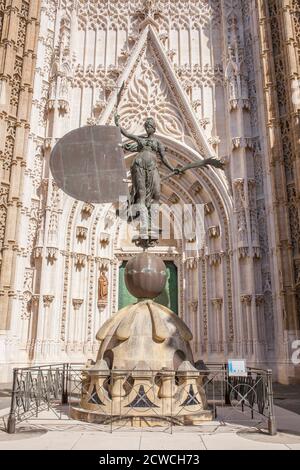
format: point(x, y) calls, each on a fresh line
point(136, 379)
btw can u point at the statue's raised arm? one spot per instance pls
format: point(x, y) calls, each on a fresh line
point(123, 131)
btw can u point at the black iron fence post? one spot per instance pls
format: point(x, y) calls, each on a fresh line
point(271, 421)
point(11, 422)
point(64, 396)
point(227, 387)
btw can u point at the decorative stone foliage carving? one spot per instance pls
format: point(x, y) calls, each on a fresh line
point(77, 303)
point(26, 305)
point(47, 300)
point(51, 254)
point(104, 239)
point(215, 259)
point(87, 210)
point(37, 252)
point(243, 252)
point(242, 142)
point(15, 82)
point(191, 263)
point(148, 93)
point(162, 15)
point(80, 260)
point(246, 298)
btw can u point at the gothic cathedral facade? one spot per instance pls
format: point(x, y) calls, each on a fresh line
point(221, 78)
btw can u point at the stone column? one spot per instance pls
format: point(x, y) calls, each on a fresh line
point(21, 26)
point(218, 325)
point(247, 329)
point(77, 324)
point(46, 326)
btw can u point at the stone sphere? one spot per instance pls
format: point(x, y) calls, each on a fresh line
point(145, 276)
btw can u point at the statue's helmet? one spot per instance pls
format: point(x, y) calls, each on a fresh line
point(150, 123)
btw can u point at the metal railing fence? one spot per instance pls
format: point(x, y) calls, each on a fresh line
point(59, 387)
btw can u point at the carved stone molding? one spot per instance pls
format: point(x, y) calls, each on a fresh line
point(242, 103)
point(259, 299)
point(101, 305)
point(204, 122)
point(217, 304)
point(242, 142)
point(103, 263)
point(171, 53)
point(256, 252)
point(104, 239)
point(37, 252)
point(244, 252)
point(77, 303)
point(196, 105)
point(87, 209)
point(174, 199)
point(109, 219)
point(246, 299)
point(215, 259)
point(80, 260)
point(35, 299)
point(214, 140)
point(51, 254)
point(209, 208)
point(191, 238)
point(191, 263)
point(47, 300)
point(49, 143)
point(193, 305)
point(81, 233)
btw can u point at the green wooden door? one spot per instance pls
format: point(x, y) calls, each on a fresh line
point(168, 297)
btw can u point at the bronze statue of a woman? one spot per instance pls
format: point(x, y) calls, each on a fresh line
point(145, 192)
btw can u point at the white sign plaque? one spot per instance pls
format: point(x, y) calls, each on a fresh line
point(237, 368)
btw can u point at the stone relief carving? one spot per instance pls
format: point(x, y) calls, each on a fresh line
point(162, 14)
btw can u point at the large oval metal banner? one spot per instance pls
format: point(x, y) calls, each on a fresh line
point(88, 164)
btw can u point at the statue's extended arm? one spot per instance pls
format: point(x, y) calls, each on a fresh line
point(206, 162)
point(203, 163)
point(125, 133)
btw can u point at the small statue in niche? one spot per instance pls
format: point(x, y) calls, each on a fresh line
point(102, 287)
